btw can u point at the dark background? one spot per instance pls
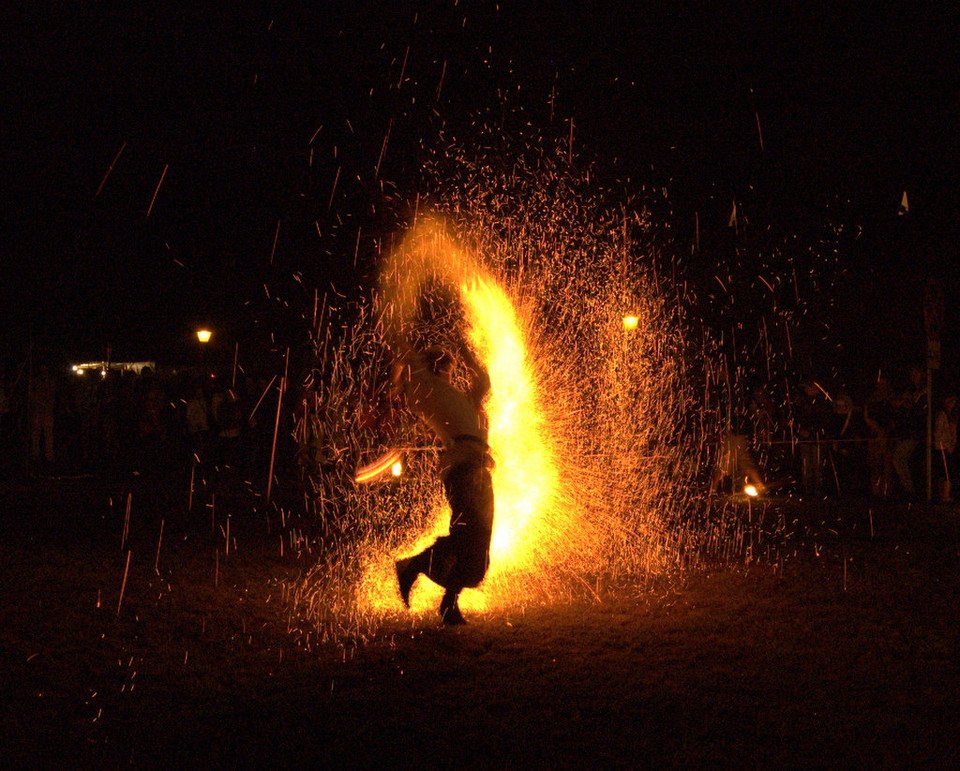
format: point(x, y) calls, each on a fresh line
point(270, 118)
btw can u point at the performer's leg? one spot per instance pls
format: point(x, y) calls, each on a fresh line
point(436, 563)
point(461, 558)
point(450, 608)
point(408, 570)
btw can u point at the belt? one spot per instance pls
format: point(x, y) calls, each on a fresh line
point(467, 449)
point(470, 438)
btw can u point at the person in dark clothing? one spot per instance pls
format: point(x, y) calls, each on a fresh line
point(880, 416)
point(42, 404)
point(811, 415)
point(846, 431)
point(460, 559)
point(911, 429)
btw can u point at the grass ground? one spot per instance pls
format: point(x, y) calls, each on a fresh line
point(842, 651)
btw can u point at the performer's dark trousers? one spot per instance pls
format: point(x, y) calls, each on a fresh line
point(460, 559)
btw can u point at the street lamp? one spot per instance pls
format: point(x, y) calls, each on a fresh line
point(203, 335)
point(630, 322)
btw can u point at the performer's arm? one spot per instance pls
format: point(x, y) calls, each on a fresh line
point(480, 384)
point(407, 360)
point(403, 354)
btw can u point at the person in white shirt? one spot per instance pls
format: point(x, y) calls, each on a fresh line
point(460, 559)
point(945, 442)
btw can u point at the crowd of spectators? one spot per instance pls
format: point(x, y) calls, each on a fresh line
point(827, 444)
point(816, 441)
point(54, 422)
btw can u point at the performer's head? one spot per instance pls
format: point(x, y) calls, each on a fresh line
point(439, 361)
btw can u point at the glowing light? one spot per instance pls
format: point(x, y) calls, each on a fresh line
point(203, 335)
point(630, 322)
point(751, 491)
point(376, 469)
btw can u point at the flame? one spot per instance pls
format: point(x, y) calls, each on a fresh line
point(526, 477)
point(374, 470)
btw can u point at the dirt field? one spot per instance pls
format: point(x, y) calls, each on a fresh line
point(842, 652)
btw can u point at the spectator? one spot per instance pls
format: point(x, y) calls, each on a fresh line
point(150, 422)
point(128, 420)
point(880, 416)
point(87, 410)
point(258, 425)
point(911, 428)
point(5, 413)
point(10, 424)
point(736, 463)
point(197, 419)
point(811, 415)
point(110, 419)
point(763, 417)
point(228, 421)
point(42, 400)
point(945, 444)
point(847, 430)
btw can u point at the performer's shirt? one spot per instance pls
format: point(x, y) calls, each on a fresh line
point(447, 411)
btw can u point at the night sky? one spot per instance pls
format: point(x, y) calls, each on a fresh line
point(248, 112)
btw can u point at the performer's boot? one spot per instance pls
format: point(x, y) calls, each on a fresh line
point(406, 576)
point(450, 609)
point(408, 570)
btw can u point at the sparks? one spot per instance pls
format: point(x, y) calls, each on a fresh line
point(591, 482)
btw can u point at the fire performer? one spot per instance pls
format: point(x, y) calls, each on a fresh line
point(460, 559)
